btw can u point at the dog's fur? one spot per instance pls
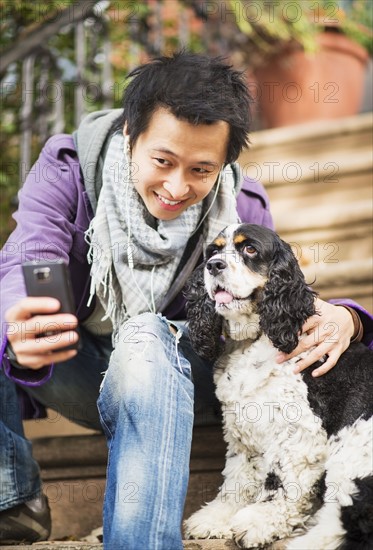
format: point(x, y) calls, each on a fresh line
point(292, 438)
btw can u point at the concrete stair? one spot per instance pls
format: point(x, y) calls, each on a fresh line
point(188, 545)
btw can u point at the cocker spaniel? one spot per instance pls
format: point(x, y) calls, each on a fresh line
point(295, 443)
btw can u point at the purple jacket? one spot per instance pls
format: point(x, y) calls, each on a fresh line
point(55, 211)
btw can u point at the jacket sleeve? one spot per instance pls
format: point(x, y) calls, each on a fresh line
point(253, 204)
point(45, 232)
point(365, 316)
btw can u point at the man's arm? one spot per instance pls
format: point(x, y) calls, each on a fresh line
point(45, 231)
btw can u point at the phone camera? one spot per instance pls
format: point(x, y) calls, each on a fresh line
point(42, 273)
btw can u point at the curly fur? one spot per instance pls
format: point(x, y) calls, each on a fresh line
point(204, 323)
point(286, 434)
point(358, 517)
point(287, 302)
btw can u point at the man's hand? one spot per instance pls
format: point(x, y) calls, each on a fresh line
point(28, 320)
point(330, 331)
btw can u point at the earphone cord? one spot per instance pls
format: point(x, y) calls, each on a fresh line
point(211, 205)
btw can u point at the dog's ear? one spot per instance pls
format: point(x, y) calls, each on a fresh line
point(205, 325)
point(287, 301)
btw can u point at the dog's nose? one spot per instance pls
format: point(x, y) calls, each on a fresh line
point(215, 265)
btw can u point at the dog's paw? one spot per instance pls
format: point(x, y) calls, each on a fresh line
point(248, 533)
point(205, 524)
point(253, 528)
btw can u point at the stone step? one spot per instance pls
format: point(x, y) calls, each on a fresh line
point(310, 152)
point(188, 545)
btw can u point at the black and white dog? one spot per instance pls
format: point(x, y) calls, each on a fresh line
point(292, 438)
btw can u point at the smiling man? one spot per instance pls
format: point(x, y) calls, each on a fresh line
point(127, 202)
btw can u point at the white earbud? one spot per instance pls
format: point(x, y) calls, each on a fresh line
point(127, 147)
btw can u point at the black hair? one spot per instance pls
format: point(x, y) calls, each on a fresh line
point(193, 87)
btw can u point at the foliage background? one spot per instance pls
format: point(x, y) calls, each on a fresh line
point(83, 50)
point(134, 31)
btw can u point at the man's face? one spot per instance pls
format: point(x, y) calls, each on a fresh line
point(175, 164)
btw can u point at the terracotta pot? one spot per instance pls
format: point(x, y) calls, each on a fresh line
point(296, 87)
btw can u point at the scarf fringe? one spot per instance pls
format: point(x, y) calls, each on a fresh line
point(102, 283)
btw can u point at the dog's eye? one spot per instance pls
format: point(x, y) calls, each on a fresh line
point(250, 250)
point(213, 252)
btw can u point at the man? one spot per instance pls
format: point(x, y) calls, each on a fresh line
point(145, 186)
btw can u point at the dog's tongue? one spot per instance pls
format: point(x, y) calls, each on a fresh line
point(223, 297)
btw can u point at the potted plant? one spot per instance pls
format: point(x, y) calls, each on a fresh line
point(308, 59)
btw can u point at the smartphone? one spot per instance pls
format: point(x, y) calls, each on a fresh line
point(51, 279)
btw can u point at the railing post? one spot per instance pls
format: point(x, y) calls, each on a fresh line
point(107, 75)
point(25, 116)
point(80, 52)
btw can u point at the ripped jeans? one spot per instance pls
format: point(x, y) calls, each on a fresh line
point(145, 406)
